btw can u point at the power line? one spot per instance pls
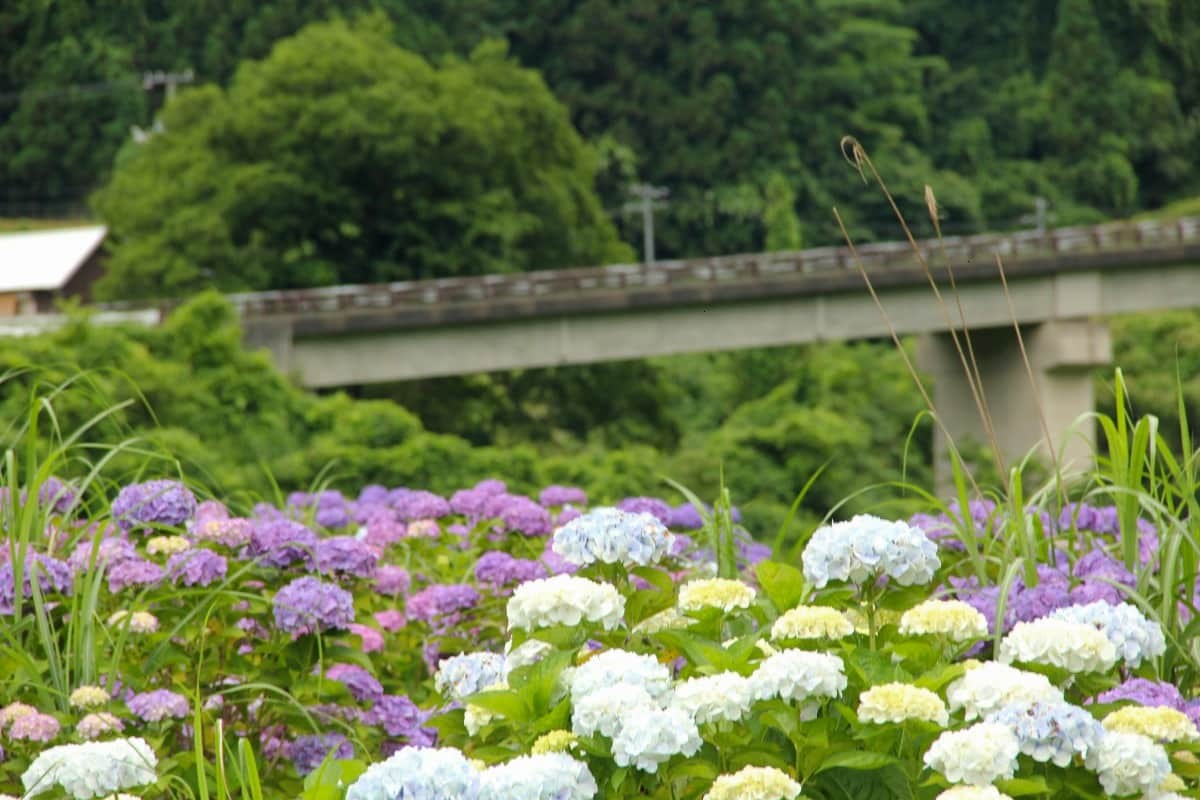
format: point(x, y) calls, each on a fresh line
point(146, 81)
point(649, 198)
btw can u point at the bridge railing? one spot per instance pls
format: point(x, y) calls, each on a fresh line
point(734, 269)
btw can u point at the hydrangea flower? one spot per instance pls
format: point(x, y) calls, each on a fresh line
point(653, 736)
point(308, 605)
point(866, 547)
point(160, 502)
point(978, 755)
point(95, 725)
point(13, 711)
point(197, 567)
point(719, 593)
point(897, 702)
point(137, 621)
point(685, 517)
point(549, 776)
point(562, 495)
point(811, 622)
point(157, 705)
point(1073, 646)
point(620, 666)
point(991, 686)
point(1135, 637)
point(280, 542)
point(364, 686)
point(605, 710)
point(754, 783)
point(1051, 732)
point(647, 505)
point(1129, 763)
point(461, 676)
point(418, 773)
point(166, 545)
point(1145, 693)
point(309, 752)
point(346, 555)
point(973, 793)
point(53, 576)
point(232, 533)
point(396, 715)
point(554, 742)
point(392, 580)
point(133, 572)
point(35, 727)
point(798, 675)
point(613, 536)
point(954, 619)
point(666, 620)
point(501, 569)
point(441, 603)
point(564, 600)
point(1160, 723)
point(521, 515)
point(88, 697)
point(92, 769)
point(528, 652)
point(419, 504)
point(725, 696)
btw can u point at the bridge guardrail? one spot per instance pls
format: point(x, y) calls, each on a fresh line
point(756, 267)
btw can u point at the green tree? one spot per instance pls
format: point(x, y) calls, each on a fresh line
point(779, 215)
point(342, 158)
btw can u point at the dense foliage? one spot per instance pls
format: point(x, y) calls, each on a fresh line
point(1089, 103)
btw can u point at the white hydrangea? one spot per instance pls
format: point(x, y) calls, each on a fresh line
point(897, 702)
point(754, 783)
point(418, 772)
point(991, 686)
point(978, 755)
point(651, 737)
point(475, 716)
point(564, 600)
point(721, 593)
point(613, 536)
point(811, 622)
point(668, 619)
point(91, 769)
point(1072, 646)
point(954, 619)
point(525, 654)
point(167, 545)
point(549, 776)
point(798, 675)
point(604, 710)
point(1127, 763)
point(1135, 637)
point(460, 676)
point(621, 666)
point(712, 698)
point(866, 547)
point(973, 793)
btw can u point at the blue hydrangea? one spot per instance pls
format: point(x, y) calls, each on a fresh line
point(1135, 637)
point(549, 776)
point(418, 774)
point(460, 676)
point(1054, 732)
point(865, 548)
point(611, 536)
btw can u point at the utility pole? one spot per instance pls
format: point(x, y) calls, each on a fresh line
point(1041, 216)
point(649, 198)
point(168, 79)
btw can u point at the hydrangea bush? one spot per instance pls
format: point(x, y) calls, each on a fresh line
point(399, 644)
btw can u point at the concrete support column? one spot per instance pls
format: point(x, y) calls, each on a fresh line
point(1063, 354)
point(273, 334)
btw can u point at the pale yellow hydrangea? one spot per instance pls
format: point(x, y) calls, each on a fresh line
point(667, 620)
point(475, 717)
point(88, 697)
point(754, 783)
point(765, 648)
point(1173, 783)
point(1161, 723)
point(973, 793)
point(812, 622)
point(883, 616)
point(167, 545)
point(554, 742)
point(897, 702)
point(139, 621)
point(953, 619)
point(721, 593)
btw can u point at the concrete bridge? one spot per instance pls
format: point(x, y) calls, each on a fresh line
point(1063, 283)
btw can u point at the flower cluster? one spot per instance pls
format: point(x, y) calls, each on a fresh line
point(978, 755)
point(719, 593)
point(1134, 637)
point(1159, 723)
point(754, 783)
point(992, 686)
point(1129, 763)
point(308, 605)
point(564, 600)
point(92, 769)
point(953, 619)
point(418, 773)
point(613, 536)
point(897, 702)
point(549, 776)
point(811, 622)
point(465, 675)
point(1073, 646)
point(867, 547)
point(1051, 732)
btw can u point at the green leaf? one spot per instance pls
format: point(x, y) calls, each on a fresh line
point(1022, 787)
point(507, 703)
point(782, 583)
point(842, 783)
point(857, 760)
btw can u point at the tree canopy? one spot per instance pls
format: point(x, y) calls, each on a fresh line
point(342, 158)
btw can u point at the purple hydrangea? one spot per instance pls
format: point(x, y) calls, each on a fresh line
point(346, 555)
point(1099, 564)
point(210, 510)
point(35, 727)
point(1145, 693)
point(161, 502)
point(501, 569)
point(567, 514)
point(53, 576)
point(421, 505)
point(158, 705)
point(307, 605)
point(280, 542)
point(232, 532)
point(685, 517)
point(197, 567)
point(56, 494)
point(332, 517)
point(309, 752)
point(372, 494)
point(392, 580)
point(491, 486)
point(395, 714)
point(362, 685)
point(562, 495)
point(383, 529)
point(521, 514)
point(111, 550)
point(441, 603)
point(299, 500)
point(133, 572)
point(750, 552)
point(1096, 591)
point(556, 564)
point(647, 505)
point(471, 503)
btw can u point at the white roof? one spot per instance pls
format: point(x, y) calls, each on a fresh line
point(41, 260)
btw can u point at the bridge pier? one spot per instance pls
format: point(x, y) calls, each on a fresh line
point(1063, 355)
